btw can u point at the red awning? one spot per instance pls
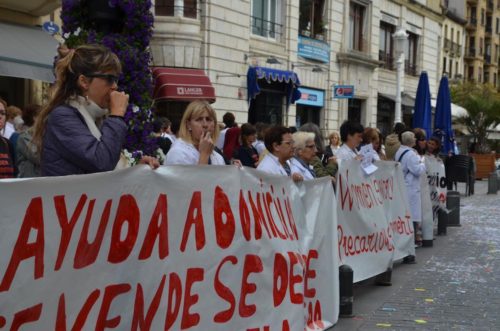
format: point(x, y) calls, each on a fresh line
point(182, 85)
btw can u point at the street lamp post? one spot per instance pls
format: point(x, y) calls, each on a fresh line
point(400, 38)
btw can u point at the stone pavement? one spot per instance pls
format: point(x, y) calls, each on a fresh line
point(455, 285)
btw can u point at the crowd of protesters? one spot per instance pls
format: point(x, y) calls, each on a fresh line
point(81, 130)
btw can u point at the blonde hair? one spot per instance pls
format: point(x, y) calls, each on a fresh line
point(83, 60)
point(334, 134)
point(12, 112)
point(195, 109)
point(300, 138)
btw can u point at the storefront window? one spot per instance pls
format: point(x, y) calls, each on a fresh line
point(268, 104)
point(311, 18)
point(354, 110)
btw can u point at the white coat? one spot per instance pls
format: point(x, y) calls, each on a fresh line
point(183, 152)
point(412, 167)
point(298, 167)
point(271, 165)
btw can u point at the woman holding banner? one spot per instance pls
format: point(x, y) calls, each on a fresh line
point(81, 130)
point(197, 133)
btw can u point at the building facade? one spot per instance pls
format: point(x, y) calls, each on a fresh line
point(453, 40)
point(482, 41)
point(258, 53)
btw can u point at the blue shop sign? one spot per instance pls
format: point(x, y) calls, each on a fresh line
point(310, 97)
point(313, 49)
point(343, 91)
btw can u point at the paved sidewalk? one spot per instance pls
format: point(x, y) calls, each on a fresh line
point(455, 285)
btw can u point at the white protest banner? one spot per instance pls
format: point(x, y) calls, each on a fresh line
point(179, 248)
point(374, 226)
point(437, 183)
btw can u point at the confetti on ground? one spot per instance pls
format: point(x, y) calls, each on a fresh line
point(384, 325)
point(420, 321)
point(357, 318)
point(420, 289)
point(455, 283)
point(388, 309)
point(461, 291)
point(429, 300)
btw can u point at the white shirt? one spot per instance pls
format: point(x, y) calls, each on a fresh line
point(220, 140)
point(272, 165)
point(8, 130)
point(346, 153)
point(259, 146)
point(183, 152)
point(298, 167)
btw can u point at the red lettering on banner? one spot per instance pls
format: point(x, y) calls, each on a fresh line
point(158, 228)
point(310, 274)
point(280, 279)
point(350, 245)
point(66, 227)
point(314, 319)
point(225, 293)
point(268, 200)
point(194, 217)
point(138, 320)
point(252, 264)
point(189, 320)
point(281, 214)
point(258, 217)
point(82, 315)
point(345, 194)
point(86, 252)
point(33, 220)
point(110, 293)
point(295, 297)
point(245, 219)
point(174, 293)
point(26, 316)
point(291, 219)
point(128, 212)
point(224, 231)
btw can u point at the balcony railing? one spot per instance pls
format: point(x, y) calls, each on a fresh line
point(471, 52)
point(266, 28)
point(487, 59)
point(488, 29)
point(411, 69)
point(386, 59)
point(447, 44)
point(472, 23)
point(456, 49)
point(190, 11)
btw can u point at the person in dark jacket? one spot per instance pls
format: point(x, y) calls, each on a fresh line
point(246, 153)
point(81, 130)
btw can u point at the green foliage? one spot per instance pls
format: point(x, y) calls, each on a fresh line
point(482, 103)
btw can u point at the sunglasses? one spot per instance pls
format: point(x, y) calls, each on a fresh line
point(111, 79)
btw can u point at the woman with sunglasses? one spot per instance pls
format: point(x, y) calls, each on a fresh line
point(81, 130)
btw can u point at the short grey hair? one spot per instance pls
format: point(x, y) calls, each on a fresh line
point(300, 139)
point(408, 138)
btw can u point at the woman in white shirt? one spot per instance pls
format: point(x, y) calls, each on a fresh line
point(305, 151)
point(351, 134)
point(197, 133)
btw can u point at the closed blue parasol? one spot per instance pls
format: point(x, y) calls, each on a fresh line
point(442, 118)
point(422, 112)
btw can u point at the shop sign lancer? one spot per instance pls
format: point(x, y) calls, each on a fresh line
point(181, 90)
